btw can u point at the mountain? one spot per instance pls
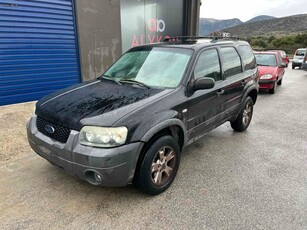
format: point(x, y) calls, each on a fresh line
point(260, 18)
point(209, 25)
point(275, 26)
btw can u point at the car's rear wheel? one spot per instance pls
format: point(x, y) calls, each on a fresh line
point(293, 66)
point(245, 116)
point(159, 166)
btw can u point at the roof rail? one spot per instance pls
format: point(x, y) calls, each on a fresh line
point(193, 38)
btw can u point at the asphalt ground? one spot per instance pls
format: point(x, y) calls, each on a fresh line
point(227, 180)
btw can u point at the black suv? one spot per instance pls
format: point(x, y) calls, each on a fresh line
point(131, 124)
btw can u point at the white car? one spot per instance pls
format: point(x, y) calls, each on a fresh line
point(298, 58)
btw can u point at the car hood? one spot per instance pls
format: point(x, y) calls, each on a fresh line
point(267, 70)
point(67, 107)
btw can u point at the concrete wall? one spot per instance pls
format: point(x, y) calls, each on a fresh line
point(99, 34)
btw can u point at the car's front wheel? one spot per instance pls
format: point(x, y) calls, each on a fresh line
point(159, 166)
point(273, 90)
point(245, 116)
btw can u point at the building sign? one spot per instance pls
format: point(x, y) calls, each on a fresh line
point(145, 22)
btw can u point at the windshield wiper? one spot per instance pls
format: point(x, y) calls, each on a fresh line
point(104, 76)
point(130, 81)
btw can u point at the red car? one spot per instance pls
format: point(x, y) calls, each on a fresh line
point(284, 56)
point(271, 70)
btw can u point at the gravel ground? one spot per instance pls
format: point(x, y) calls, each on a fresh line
point(13, 139)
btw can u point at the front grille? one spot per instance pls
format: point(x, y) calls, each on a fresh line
point(60, 133)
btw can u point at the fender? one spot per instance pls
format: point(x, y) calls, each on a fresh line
point(248, 90)
point(167, 123)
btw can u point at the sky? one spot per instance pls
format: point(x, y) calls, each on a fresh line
point(247, 9)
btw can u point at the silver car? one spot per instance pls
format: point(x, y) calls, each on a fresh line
point(298, 58)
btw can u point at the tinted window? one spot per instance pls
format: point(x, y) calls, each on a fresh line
point(231, 61)
point(248, 57)
point(208, 65)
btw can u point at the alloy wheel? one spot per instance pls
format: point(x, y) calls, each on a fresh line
point(247, 113)
point(163, 165)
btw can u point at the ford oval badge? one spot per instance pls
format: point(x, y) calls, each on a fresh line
point(49, 129)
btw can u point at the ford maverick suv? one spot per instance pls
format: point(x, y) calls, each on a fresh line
point(131, 124)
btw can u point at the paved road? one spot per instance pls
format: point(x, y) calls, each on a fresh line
point(227, 180)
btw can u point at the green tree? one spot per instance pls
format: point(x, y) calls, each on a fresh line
point(258, 42)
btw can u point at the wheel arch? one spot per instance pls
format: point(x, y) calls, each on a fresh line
point(251, 92)
point(172, 127)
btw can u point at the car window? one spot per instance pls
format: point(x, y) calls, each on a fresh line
point(248, 57)
point(283, 53)
point(279, 59)
point(208, 65)
point(266, 59)
point(231, 61)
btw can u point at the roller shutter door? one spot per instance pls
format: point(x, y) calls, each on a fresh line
point(38, 49)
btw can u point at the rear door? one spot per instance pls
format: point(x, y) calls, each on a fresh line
point(235, 79)
point(206, 106)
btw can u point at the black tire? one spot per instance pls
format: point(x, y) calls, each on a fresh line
point(279, 82)
point(152, 177)
point(245, 116)
point(293, 66)
point(273, 90)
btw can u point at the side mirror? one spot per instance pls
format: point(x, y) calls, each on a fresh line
point(283, 65)
point(203, 83)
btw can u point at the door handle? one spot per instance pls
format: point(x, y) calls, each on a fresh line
point(220, 92)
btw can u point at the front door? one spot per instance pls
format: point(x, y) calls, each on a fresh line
point(206, 106)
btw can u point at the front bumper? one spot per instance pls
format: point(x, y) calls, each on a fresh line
point(266, 84)
point(297, 63)
point(115, 166)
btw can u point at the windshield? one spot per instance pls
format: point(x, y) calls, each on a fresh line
point(300, 52)
point(266, 59)
point(154, 67)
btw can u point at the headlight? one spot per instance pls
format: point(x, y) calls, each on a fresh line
point(266, 76)
point(103, 137)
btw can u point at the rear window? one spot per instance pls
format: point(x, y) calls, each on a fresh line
point(283, 53)
point(231, 61)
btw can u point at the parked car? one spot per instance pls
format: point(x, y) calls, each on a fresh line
point(284, 56)
point(131, 124)
point(271, 70)
point(298, 57)
point(304, 63)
